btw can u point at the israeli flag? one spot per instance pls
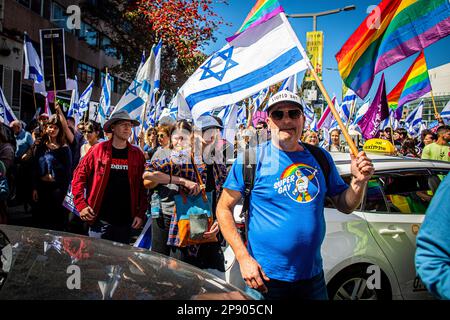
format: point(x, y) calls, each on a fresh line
point(140, 90)
point(74, 108)
point(105, 100)
point(160, 105)
point(359, 114)
point(289, 84)
point(6, 114)
point(445, 113)
point(33, 69)
point(157, 53)
point(414, 120)
point(85, 98)
point(308, 111)
point(141, 64)
point(346, 106)
point(260, 57)
point(145, 238)
point(173, 107)
point(258, 99)
point(313, 124)
point(241, 116)
point(229, 131)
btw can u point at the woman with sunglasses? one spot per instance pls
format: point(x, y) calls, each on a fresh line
point(178, 171)
point(93, 134)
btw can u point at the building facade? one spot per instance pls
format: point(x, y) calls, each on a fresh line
point(88, 52)
point(440, 83)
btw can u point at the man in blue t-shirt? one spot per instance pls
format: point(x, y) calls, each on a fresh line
point(286, 224)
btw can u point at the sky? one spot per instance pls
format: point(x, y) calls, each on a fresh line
point(337, 28)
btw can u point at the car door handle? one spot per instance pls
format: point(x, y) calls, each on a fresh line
point(391, 231)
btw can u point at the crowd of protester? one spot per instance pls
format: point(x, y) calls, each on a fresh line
point(52, 156)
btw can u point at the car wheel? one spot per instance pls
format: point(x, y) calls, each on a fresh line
point(351, 284)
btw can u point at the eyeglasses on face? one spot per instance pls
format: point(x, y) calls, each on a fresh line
point(162, 136)
point(279, 114)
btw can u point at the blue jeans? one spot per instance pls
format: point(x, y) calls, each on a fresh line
point(103, 230)
point(309, 289)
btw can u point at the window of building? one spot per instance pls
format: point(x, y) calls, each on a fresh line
point(85, 72)
point(58, 15)
point(26, 3)
point(17, 79)
point(1, 75)
point(106, 46)
point(88, 34)
point(36, 6)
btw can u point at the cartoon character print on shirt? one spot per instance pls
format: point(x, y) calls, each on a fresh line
point(299, 182)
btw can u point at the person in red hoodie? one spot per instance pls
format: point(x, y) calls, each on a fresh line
point(107, 184)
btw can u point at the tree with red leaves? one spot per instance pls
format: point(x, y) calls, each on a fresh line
point(185, 27)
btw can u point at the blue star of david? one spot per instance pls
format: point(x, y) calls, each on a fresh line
point(226, 56)
point(133, 90)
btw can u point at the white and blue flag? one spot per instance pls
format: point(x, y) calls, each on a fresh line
point(85, 98)
point(445, 113)
point(157, 52)
point(414, 120)
point(289, 84)
point(33, 69)
point(346, 106)
point(6, 114)
point(74, 107)
point(308, 111)
point(140, 90)
point(358, 116)
point(241, 115)
point(258, 99)
point(264, 55)
point(145, 238)
point(105, 100)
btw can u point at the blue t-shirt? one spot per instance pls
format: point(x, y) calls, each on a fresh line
point(24, 142)
point(286, 221)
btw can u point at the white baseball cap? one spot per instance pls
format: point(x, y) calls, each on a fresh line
point(284, 96)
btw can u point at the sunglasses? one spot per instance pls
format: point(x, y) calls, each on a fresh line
point(161, 136)
point(279, 114)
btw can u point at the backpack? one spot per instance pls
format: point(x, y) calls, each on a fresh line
point(249, 168)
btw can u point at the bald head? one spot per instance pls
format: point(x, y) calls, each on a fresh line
point(16, 126)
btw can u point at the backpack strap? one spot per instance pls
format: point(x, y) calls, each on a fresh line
point(321, 158)
point(248, 170)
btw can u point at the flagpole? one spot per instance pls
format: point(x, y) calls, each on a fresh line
point(53, 70)
point(392, 132)
point(434, 104)
point(34, 97)
point(250, 116)
point(333, 110)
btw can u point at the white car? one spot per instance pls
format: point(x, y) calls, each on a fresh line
point(369, 254)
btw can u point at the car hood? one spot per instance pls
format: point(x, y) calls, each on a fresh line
point(45, 264)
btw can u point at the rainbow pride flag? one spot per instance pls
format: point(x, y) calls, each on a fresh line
point(393, 31)
point(414, 84)
point(262, 11)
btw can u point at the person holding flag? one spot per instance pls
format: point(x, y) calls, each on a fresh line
point(282, 257)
